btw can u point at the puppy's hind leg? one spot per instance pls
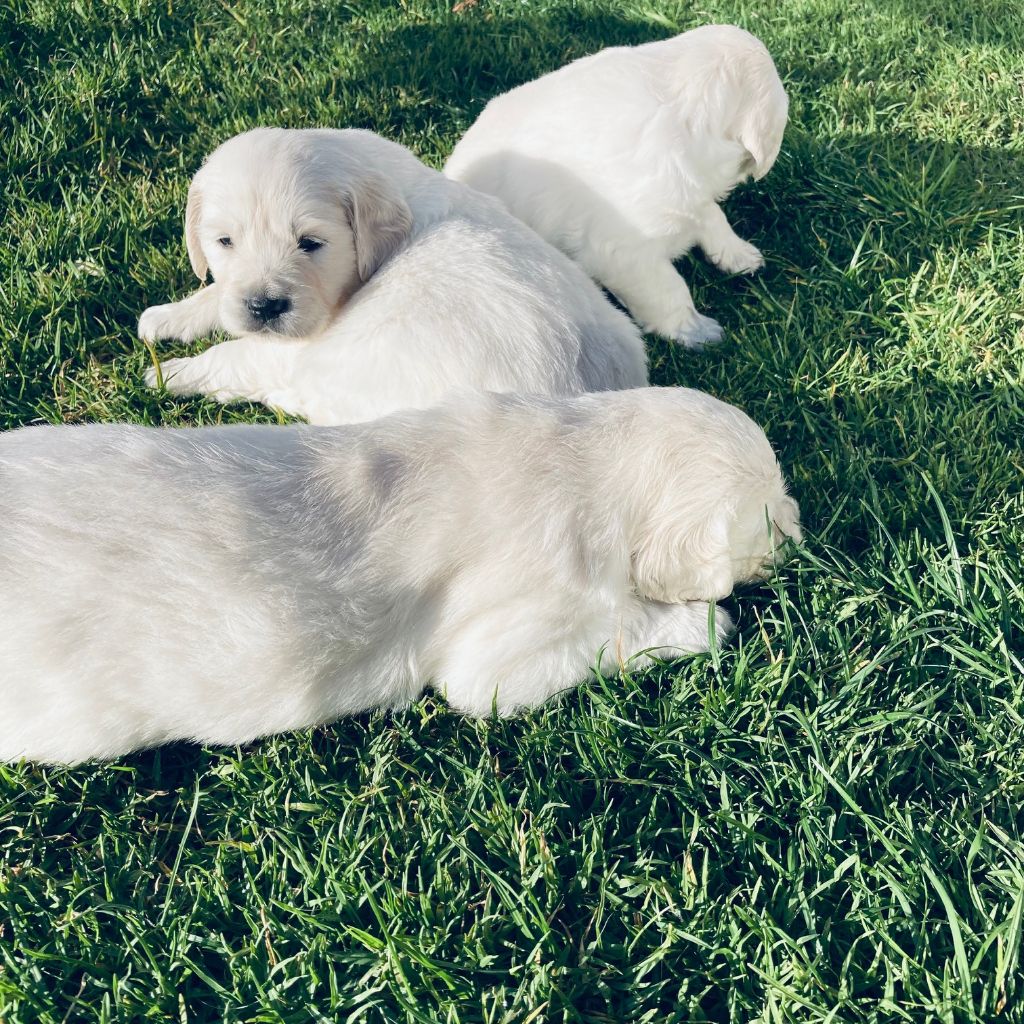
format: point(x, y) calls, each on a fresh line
point(191, 318)
point(650, 287)
point(724, 247)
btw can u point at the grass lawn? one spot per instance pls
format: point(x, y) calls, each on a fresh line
point(823, 821)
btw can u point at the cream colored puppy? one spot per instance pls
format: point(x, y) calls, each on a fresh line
point(359, 282)
point(223, 583)
point(621, 159)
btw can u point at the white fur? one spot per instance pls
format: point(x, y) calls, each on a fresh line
point(621, 158)
point(222, 583)
point(422, 286)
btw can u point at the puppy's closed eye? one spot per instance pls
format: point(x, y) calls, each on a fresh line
point(309, 244)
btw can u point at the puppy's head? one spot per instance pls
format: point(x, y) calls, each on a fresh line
point(763, 108)
point(290, 223)
point(728, 86)
point(709, 506)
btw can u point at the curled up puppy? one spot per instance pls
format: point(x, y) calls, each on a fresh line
point(222, 583)
point(621, 159)
point(359, 281)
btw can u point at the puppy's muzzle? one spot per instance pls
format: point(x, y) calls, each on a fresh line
point(266, 308)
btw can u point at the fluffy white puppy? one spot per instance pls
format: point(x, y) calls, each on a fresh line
point(223, 583)
point(360, 282)
point(621, 159)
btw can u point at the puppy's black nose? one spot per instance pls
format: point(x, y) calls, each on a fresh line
point(264, 308)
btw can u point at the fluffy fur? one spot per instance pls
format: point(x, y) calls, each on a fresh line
point(390, 286)
point(621, 159)
point(222, 583)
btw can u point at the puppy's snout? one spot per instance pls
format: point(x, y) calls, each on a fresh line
point(266, 307)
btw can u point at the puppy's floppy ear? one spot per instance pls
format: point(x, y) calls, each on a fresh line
point(763, 126)
point(675, 564)
point(193, 211)
point(381, 221)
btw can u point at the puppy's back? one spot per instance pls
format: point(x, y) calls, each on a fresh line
point(719, 80)
point(219, 584)
point(170, 584)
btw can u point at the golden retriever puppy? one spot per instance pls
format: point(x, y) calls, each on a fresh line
point(621, 159)
point(359, 281)
point(223, 583)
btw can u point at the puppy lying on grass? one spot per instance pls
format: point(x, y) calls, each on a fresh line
point(621, 159)
point(361, 282)
point(223, 583)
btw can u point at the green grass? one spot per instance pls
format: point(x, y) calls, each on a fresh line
point(821, 822)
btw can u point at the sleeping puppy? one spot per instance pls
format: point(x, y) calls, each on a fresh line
point(359, 282)
point(222, 583)
point(621, 159)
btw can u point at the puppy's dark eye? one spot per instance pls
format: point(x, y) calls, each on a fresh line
point(225, 241)
point(307, 244)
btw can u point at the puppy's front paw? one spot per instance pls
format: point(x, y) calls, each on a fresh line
point(170, 369)
point(741, 258)
point(696, 331)
point(159, 322)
